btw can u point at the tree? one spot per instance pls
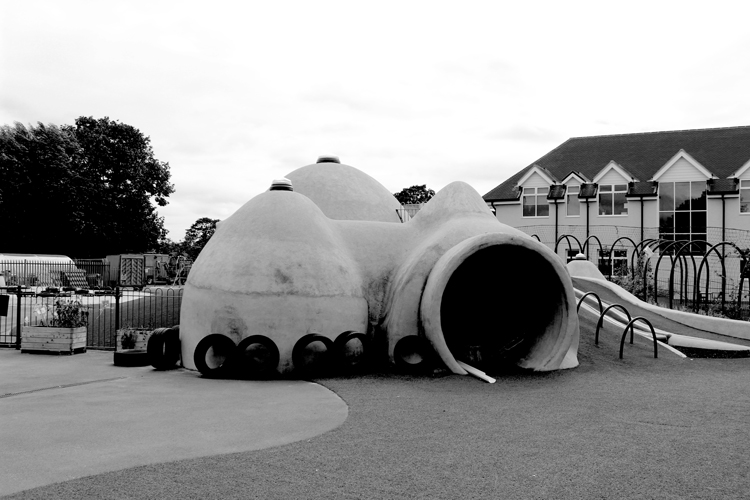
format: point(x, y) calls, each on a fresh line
point(414, 195)
point(197, 236)
point(84, 190)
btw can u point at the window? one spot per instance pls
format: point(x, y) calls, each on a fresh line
point(682, 212)
point(571, 200)
point(619, 262)
point(535, 202)
point(745, 196)
point(612, 199)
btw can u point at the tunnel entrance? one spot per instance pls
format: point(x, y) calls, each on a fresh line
point(498, 304)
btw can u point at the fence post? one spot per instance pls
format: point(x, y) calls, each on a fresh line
point(117, 307)
point(18, 318)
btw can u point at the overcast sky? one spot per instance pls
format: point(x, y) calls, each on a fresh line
point(236, 94)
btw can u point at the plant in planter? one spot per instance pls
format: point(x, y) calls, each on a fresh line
point(131, 345)
point(128, 340)
point(132, 337)
point(61, 328)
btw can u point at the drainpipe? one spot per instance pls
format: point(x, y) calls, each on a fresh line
point(723, 248)
point(556, 221)
point(641, 219)
point(723, 219)
point(587, 227)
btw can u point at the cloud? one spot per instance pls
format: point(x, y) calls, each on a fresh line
point(235, 95)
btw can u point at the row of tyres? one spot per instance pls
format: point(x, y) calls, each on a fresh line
point(257, 356)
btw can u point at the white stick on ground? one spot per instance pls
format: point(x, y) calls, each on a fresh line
point(476, 372)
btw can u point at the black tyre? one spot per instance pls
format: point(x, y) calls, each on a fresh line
point(164, 348)
point(131, 358)
point(351, 363)
point(254, 363)
point(212, 355)
point(320, 363)
point(412, 354)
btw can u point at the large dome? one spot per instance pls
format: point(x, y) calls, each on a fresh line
point(344, 193)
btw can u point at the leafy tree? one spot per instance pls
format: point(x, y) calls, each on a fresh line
point(414, 195)
point(197, 236)
point(84, 190)
point(166, 245)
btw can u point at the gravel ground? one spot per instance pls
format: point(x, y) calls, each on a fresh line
point(633, 428)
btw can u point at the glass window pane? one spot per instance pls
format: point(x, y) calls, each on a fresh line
point(698, 222)
point(666, 196)
point(605, 204)
point(574, 206)
point(574, 189)
point(543, 191)
point(745, 183)
point(620, 204)
point(542, 207)
point(605, 188)
point(682, 222)
point(682, 196)
point(529, 207)
point(698, 193)
point(666, 222)
point(745, 201)
point(621, 187)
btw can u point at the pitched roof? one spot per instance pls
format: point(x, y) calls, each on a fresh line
point(721, 150)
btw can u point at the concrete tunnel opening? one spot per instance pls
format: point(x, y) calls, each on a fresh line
point(499, 304)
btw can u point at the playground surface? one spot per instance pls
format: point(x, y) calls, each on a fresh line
point(64, 417)
point(633, 428)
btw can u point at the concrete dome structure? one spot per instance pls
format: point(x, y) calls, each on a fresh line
point(294, 272)
point(343, 192)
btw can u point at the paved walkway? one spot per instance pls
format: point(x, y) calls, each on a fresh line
point(64, 417)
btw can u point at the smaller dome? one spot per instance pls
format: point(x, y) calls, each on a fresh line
point(343, 192)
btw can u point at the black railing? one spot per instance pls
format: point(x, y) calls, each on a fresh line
point(34, 286)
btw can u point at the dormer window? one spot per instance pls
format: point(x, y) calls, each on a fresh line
point(535, 202)
point(612, 199)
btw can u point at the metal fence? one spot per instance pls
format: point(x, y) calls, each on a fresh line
point(673, 282)
point(33, 287)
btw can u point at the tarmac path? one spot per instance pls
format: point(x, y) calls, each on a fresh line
point(64, 417)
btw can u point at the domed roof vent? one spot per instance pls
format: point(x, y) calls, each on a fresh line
point(281, 185)
point(328, 159)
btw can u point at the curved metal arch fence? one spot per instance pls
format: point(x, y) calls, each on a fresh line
point(567, 239)
point(714, 248)
point(612, 249)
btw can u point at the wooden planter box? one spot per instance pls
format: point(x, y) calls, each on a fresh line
point(141, 338)
point(48, 339)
